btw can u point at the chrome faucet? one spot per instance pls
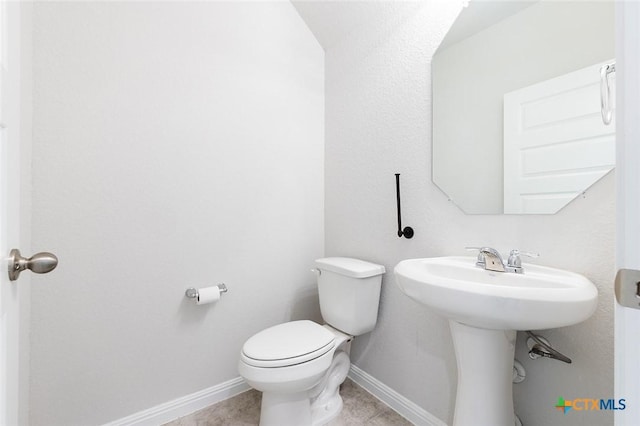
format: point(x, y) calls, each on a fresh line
point(491, 260)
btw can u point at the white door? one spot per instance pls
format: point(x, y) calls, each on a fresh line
point(627, 333)
point(9, 205)
point(555, 143)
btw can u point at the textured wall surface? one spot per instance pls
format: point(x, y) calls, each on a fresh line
point(377, 124)
point(175, 145)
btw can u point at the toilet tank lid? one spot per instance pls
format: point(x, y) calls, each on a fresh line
point(350, 267)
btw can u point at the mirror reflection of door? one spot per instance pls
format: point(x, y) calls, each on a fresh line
point(555, 142)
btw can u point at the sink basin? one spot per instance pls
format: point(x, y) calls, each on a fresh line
point(540, 298)
point(485, 309)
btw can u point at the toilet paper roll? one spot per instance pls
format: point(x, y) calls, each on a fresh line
point(208, 295)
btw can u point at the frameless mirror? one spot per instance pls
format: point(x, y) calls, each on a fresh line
point(516, 105)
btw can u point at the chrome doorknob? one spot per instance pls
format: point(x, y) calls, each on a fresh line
point(40, 263)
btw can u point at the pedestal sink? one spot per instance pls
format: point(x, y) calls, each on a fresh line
point(485, 309)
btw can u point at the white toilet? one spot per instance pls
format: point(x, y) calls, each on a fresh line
point(299, 365)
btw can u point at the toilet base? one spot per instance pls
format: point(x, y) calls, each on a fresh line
point(328, 404)
point(323, 415)
point(315, 407)
point(285, 409)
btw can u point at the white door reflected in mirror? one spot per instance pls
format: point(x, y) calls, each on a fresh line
point(555, 142)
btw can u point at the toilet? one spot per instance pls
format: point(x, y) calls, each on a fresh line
point(299, 365)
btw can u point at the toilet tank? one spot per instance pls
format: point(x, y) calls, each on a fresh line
point(349, 291)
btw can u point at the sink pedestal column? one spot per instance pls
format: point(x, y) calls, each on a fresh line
point(485, 371)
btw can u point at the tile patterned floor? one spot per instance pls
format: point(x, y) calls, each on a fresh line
point(360, 408)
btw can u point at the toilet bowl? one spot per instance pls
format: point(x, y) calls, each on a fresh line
point(299, 365)
point(301, 356)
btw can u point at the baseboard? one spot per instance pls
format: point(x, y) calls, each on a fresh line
point(393, 399)
point(188, 404)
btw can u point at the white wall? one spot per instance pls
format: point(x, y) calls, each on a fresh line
point(377, 124)
point(175, 145)
point(472, 76)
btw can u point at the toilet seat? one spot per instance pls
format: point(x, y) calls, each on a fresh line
point(288, 344)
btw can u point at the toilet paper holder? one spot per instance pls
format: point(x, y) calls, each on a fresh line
point(192, 293)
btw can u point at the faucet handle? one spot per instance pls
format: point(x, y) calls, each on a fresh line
point(480, 261)
point(484, 249)
point(524, 253)
point(514, 257)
